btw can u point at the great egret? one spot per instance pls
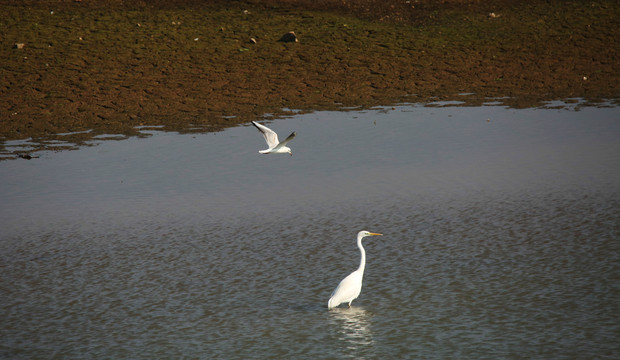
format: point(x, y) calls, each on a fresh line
point(351, 286)
point(275, 147)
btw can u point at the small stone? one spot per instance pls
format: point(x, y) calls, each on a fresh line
point(19, 46)
point(289, 37)
point(27, 156)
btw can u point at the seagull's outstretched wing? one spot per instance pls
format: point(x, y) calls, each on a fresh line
point(283, 143)
point(289, 138)
point(270, 136)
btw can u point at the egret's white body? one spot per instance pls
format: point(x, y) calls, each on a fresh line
point(275, 146)
point(351, 286)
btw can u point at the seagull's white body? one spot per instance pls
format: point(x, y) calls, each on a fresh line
point(275, 146)
point(351, 286)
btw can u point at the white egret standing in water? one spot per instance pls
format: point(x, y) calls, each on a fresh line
point(351, 286)
point(275, 147)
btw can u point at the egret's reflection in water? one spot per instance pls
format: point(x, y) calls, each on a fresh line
point(354, 331)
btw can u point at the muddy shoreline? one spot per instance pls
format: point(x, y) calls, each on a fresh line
point(106, 67)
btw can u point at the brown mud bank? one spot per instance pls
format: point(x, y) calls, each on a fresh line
point(107, 67)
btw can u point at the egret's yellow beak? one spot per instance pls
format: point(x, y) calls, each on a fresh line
point(375, 234)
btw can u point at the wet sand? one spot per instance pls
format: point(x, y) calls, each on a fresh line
point(107, 67)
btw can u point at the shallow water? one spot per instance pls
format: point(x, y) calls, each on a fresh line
point(501, 239)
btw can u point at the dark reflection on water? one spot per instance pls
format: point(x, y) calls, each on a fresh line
point(501, 239)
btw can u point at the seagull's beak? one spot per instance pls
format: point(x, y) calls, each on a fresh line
point(375, 234)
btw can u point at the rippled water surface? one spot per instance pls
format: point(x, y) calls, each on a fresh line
point(501, 240)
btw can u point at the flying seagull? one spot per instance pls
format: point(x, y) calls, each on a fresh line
point(275, 147)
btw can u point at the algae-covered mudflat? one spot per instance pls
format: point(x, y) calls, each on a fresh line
point(82, 68)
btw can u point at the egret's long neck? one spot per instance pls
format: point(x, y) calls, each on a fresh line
point(363, 254)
